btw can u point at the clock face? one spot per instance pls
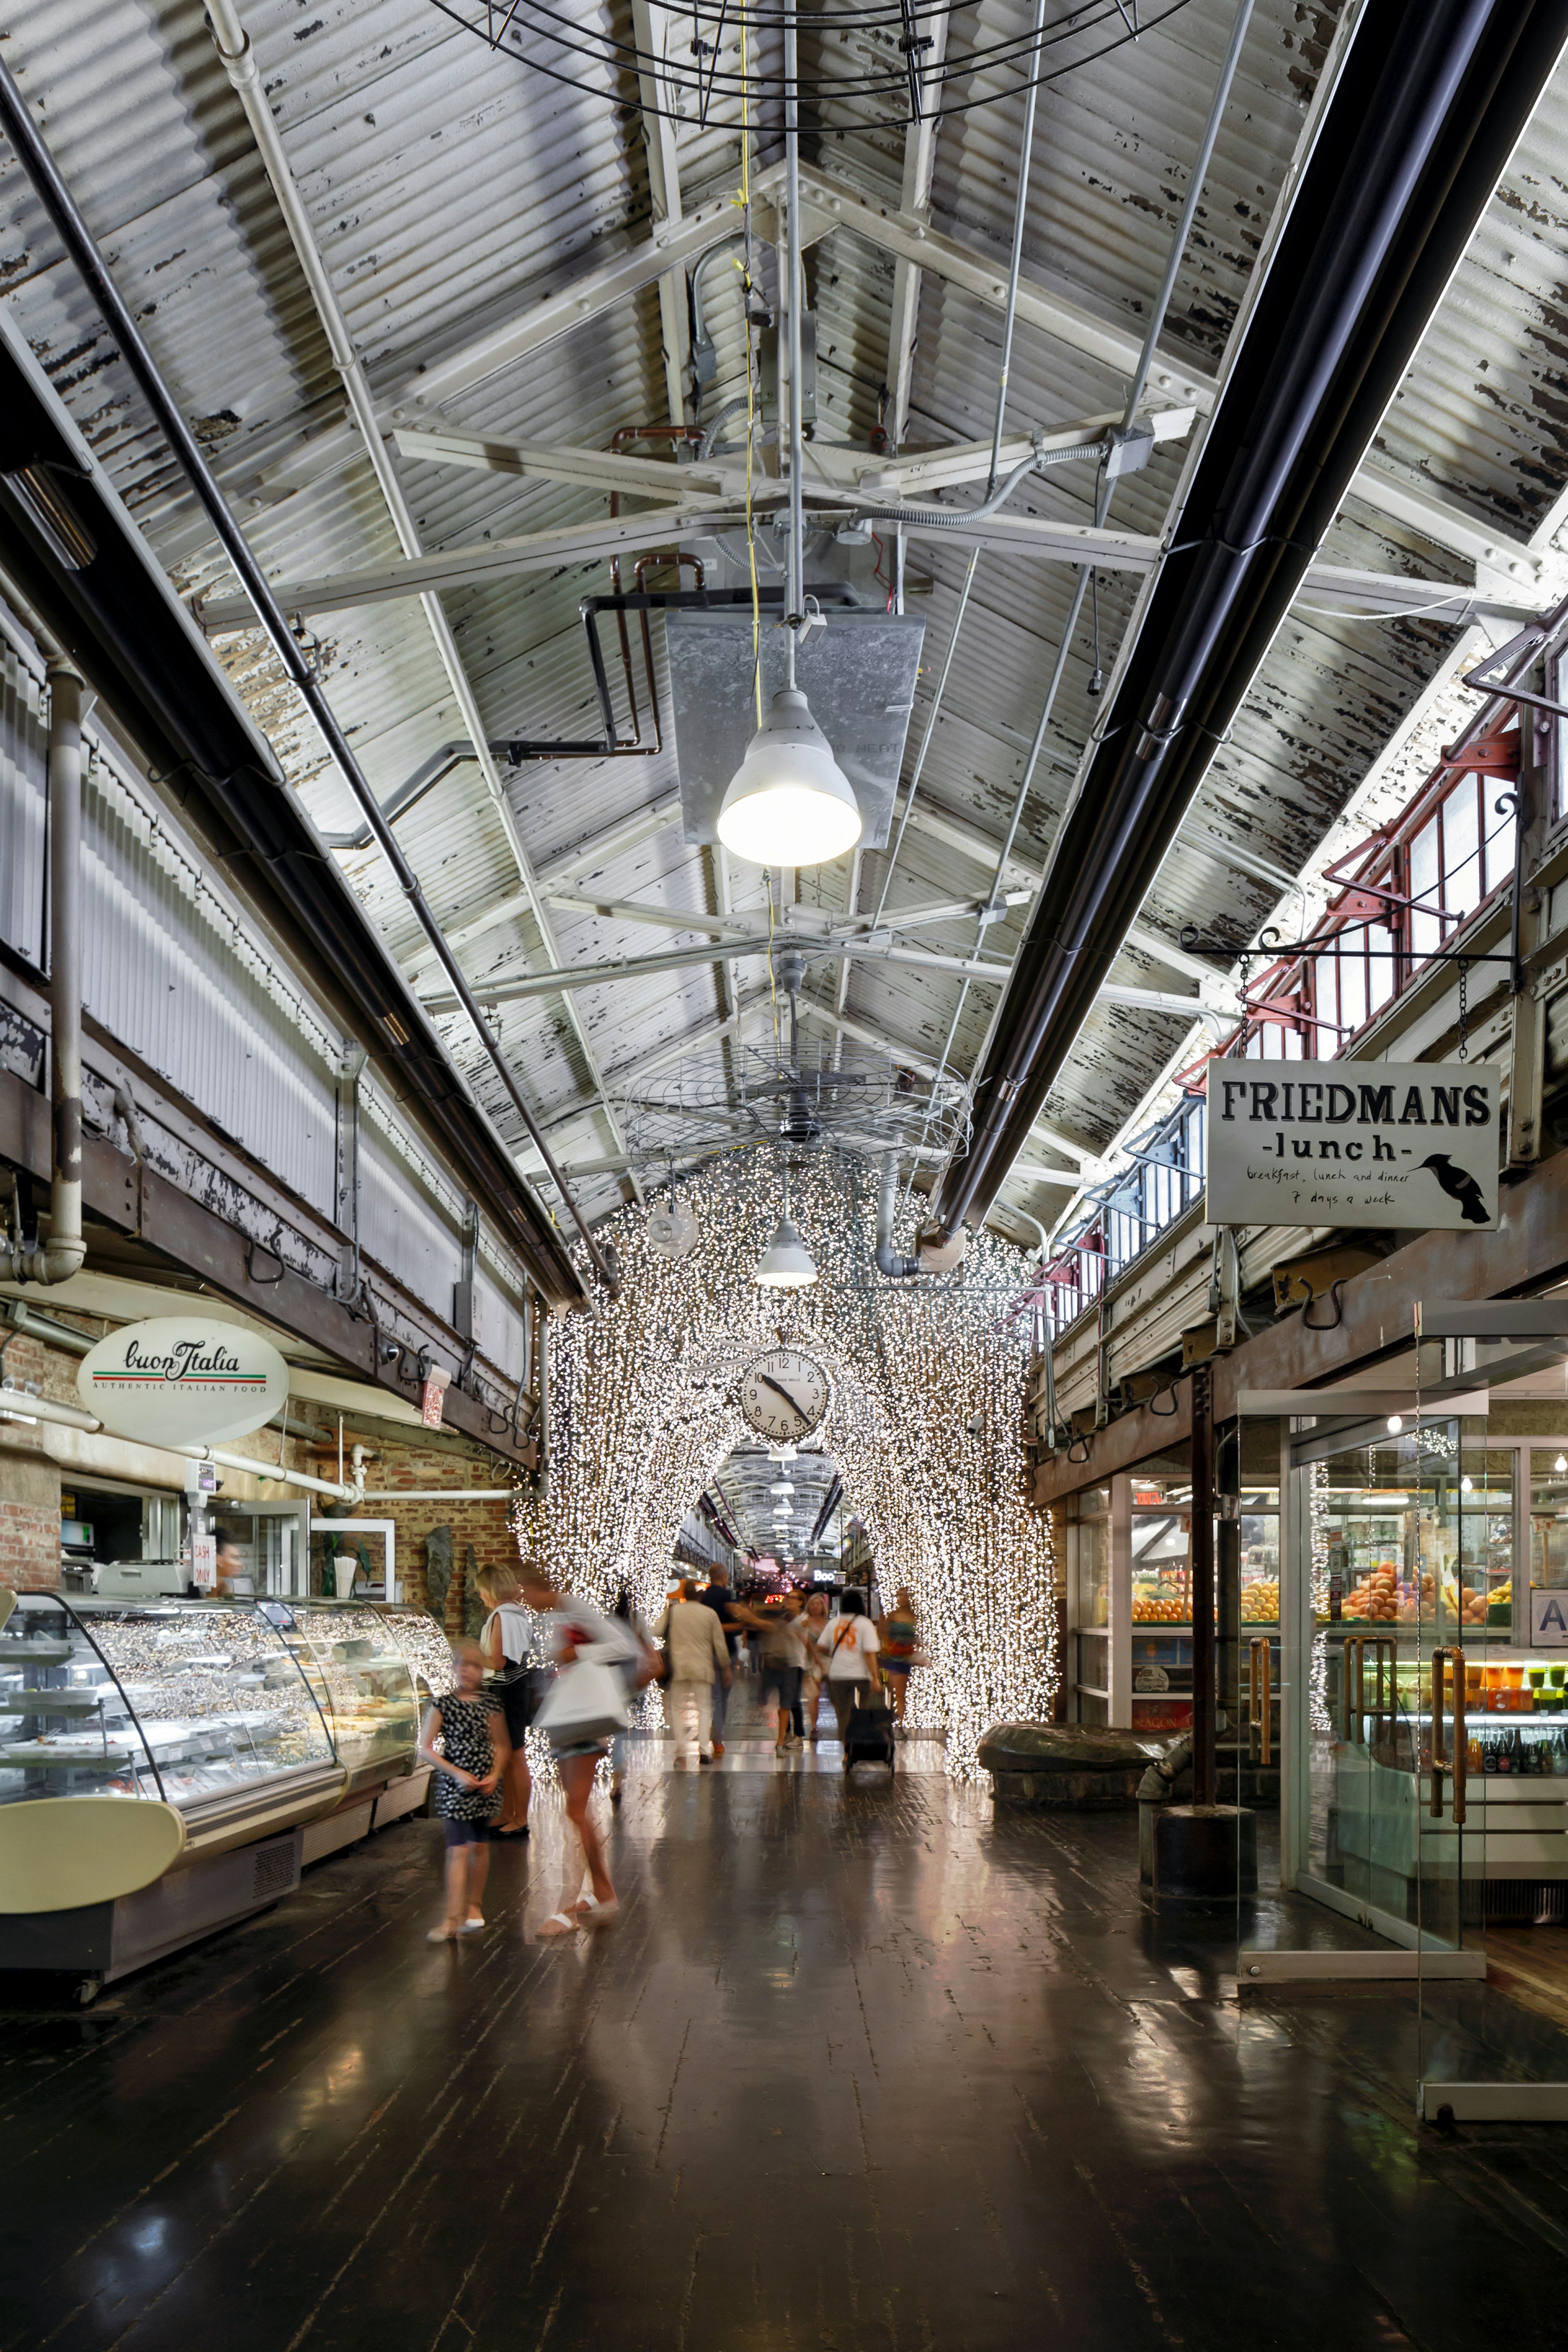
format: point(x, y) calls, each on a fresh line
point(784, 1394)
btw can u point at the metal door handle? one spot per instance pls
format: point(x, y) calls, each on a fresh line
point(1439, 1661)
point(1260, 1695)
point(1461, 1737)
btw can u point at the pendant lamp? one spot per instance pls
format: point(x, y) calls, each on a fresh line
point(790, 803)
point(786, 1264)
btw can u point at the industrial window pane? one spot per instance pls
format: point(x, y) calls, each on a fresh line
point(1425, 931)
point(1461, 849)
point(1352, 964)
point(1379, 965)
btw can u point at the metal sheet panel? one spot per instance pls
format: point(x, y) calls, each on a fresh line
point(24, 809)
point(858, 674)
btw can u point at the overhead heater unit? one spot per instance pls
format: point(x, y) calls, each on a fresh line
point(858, 673)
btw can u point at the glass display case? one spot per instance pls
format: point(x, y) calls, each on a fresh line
point(185, 1702)
point(361, 1676)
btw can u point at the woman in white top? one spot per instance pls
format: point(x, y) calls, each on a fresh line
point(850, 1643)
point(509, 1640)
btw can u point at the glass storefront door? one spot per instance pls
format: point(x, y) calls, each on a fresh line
point(1424, 1732)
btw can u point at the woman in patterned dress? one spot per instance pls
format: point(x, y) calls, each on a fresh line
point(470, 1724)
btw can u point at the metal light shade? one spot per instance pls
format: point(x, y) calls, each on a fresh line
point(790, 803)
point(786, 1264)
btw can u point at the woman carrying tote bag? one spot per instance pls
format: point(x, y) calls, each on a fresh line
point(584, 1708)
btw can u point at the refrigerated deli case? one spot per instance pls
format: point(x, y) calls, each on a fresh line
point(267, 1733)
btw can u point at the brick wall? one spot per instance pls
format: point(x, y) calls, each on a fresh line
point(484, 1526)
point(29, 1510)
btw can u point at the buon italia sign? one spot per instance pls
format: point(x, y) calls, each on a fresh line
point(1353, 1143)
point(179, 1381)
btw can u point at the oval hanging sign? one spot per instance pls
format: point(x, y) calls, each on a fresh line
point(179, 1381)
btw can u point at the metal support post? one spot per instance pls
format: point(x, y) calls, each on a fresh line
point(1227, 1581)
point(1202, 1584)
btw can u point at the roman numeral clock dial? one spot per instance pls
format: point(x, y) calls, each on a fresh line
point(784, 1394)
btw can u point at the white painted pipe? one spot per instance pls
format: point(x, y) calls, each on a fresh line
point(266, 1470)
point(17, 1403)
point(444, 1495)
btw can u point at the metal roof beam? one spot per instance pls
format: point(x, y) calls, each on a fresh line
point(614, 841)
point(969, 842)
point(566, 977)
point(659, 109)
point(468, 567)
point(599, 469)
point(545, 550)
point(910, 239)
point(914, 198)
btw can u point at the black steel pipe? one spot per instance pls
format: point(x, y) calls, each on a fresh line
point(33, 154)
point(1427, 109)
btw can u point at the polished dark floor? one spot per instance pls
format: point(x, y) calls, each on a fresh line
point(862, 2068)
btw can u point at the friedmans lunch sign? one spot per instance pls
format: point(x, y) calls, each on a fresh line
point(1353, 1143)
point(181, 1380)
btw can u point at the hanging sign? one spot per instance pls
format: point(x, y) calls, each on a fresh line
point(1548, 1619)
point(1353, 1143)
point(204, 1562)
point(432, 1398)
point(181, 1380)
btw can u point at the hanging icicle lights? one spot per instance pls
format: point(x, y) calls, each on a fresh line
point(925, 1426)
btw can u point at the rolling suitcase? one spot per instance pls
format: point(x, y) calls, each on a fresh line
point(868, 1736)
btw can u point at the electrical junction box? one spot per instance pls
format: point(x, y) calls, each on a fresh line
point(857, 674)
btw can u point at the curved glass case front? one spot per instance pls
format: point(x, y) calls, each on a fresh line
point(361, 1679)
point(141, 1698)
point(425, 1648)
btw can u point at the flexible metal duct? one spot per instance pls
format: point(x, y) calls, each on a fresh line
point(1426, 110)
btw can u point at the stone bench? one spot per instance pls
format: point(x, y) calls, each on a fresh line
point(1078, 1767)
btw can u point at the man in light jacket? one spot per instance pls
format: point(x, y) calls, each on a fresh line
point(699, 1657)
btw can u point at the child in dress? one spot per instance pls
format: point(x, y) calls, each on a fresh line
point(470, 1724)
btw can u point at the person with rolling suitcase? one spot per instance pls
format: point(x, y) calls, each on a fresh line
point(850, 1643)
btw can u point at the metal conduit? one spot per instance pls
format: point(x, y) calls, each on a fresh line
point(1433, 97)
point(77, 241)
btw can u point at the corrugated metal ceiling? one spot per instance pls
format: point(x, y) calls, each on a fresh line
point(449, 187)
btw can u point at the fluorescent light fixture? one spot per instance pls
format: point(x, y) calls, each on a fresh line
point(790, 803)
point(786, 1264)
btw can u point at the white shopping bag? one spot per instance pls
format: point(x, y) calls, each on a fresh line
point(585, 1701)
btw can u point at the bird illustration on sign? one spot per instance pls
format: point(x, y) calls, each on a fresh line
point(1459, 1185)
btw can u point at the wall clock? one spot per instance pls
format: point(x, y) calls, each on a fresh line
point(784, 1394)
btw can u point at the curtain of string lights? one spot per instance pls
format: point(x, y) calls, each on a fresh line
point(925, 1426)
point(716, 63)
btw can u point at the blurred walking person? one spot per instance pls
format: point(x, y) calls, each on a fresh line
point(849, 1643)
point(813, 1618)
point(637, 1673)
point(783, 1652)
point(471, 1725)
point(699, 1663)
point(900, 1652)
point(585, 1709)
point(518, 1678)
